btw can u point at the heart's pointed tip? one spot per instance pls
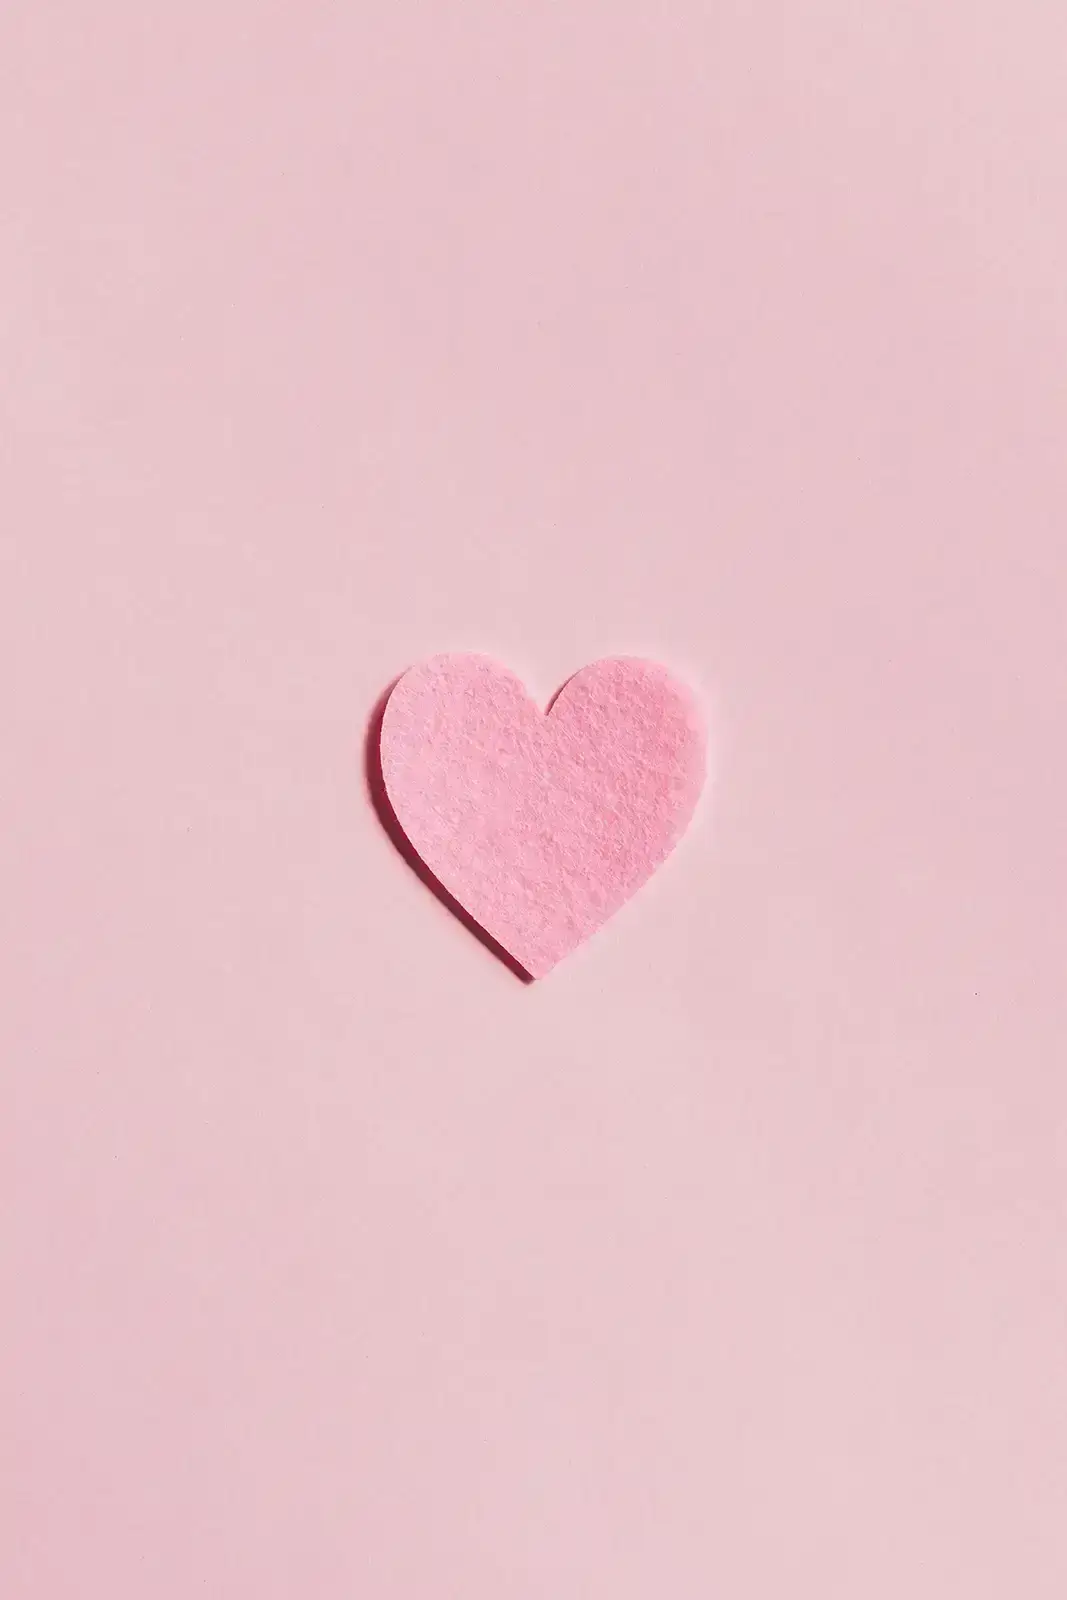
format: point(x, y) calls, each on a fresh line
point(529, 973)
point(530, 968)
point(540, 966)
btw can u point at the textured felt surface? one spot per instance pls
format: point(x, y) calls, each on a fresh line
point(541, 824)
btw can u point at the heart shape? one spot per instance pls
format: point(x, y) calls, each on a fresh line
point(540, 824)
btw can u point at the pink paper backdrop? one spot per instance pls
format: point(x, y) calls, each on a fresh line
point(731, 1259)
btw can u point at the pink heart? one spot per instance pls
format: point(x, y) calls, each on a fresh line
point(539, 824)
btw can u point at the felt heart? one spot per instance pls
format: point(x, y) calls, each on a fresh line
point(541, 824)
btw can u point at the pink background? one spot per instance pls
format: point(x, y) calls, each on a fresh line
point(730, 1260)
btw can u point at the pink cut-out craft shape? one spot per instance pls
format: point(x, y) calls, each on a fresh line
point(541, 824)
